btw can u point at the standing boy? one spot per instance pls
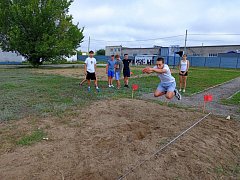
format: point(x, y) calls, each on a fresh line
point(118, 69)
point(126, 69)
point(90, 70)
point(167, 85)
point(110, 70)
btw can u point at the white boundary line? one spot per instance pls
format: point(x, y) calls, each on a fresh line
point(158, 151)
point(233, 95)
point(214, 86)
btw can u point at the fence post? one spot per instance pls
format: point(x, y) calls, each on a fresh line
point(237, 62)
point(220, 62)
point(204, 61)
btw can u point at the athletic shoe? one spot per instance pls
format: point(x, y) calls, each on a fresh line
point(89, 89)
point(180, 90)
point(98, 90)
point(177, 94)
point(109, 85)
point(112, 85)
point(183, 90)
point(126, 86)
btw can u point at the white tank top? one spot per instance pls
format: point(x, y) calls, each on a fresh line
point(183, 65)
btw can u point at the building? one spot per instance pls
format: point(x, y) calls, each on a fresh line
point(113, 50)
point(210, 51)
point(204, 51)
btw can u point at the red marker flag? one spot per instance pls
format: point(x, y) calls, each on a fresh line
point(134, 87)
point(208, 97)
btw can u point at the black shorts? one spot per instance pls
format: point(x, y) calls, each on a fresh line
point(126, 72)
point(91, 76)
point(186, 74)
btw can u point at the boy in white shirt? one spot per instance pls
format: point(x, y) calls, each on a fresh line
point(90, 70)
point(167, 85)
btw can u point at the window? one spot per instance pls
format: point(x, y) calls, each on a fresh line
point(213, 54)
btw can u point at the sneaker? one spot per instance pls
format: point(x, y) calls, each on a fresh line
point(97, 88)
point(183, 90)
point(109, 85)
point(180, 90)
point(89, 89)
point(112, 85)
point(126, 86)
point(177, 94)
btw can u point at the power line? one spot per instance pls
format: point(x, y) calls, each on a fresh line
point(139, 39)
point(215, 34)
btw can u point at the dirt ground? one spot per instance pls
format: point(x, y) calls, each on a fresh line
point(79, 72)
point(104, 140)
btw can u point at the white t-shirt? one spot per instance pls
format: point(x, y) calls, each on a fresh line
point(167, 76)
point(90, 62)
point(183, 65)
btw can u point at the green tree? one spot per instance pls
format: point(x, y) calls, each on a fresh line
point(39, 30)
point(101, 52)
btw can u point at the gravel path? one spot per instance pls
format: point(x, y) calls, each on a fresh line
point(219, 92)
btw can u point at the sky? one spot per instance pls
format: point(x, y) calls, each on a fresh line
point(145, 23)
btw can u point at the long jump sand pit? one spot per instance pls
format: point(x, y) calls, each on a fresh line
point(105, 139)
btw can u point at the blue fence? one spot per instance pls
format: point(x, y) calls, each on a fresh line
point(10, 63)
point(216, 62)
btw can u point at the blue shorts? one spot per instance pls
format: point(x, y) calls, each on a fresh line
point(117, 75)
point(169, 87)
point(110, 73)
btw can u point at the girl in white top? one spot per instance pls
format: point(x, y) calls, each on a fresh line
point(183, 73)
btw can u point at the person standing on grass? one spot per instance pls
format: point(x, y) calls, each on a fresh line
point(167, 85)
point(110, 70)
point(126, 69)
point(90, 70)
point(118, 70)
point(183, 73)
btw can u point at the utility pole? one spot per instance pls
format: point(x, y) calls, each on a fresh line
point(88, 44)
point(185, 48)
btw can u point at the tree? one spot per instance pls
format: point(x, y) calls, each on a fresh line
point(101, 52)
point(39, 30)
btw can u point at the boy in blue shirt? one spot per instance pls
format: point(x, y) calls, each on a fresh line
point(110, 70)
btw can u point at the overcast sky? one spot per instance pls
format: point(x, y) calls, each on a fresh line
point(145, 23)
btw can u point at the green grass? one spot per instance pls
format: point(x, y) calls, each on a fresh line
point(235, 100)
point(23, 93)
point(34, 137)
point(202, 78)
point(228, 171)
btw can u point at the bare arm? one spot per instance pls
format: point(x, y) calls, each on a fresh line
point(85, 69)
point(151, 70)
point(179, 67)
point(106, 68)
point(188, 64)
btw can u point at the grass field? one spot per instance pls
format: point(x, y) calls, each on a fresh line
point(47, 112)
point(23, 92)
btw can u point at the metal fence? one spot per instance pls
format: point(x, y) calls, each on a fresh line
point(216, 62)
